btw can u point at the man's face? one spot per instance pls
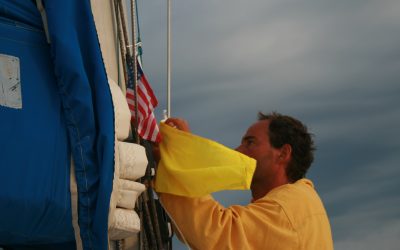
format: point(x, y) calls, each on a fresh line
point(255, 144)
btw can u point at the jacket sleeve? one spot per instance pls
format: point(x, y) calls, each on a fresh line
point(205, 224)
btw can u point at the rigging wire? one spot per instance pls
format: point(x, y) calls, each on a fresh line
point(139, 39)
point(169, 58)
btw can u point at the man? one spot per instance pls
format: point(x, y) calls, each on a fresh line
point(285, 212)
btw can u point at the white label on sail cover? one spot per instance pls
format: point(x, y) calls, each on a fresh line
point(10, 82)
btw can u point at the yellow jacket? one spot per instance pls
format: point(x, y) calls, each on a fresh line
point(291, 216)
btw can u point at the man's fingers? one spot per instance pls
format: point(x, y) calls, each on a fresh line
point(178, 123)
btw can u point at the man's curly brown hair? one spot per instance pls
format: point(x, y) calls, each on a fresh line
point(283, 130)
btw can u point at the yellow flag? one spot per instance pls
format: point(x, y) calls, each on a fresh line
point(194, 166)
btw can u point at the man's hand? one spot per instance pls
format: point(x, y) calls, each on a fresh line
point(178, 123)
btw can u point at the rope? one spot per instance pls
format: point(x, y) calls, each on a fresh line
point(121, 43)
point(123, 22)
point(134, 70)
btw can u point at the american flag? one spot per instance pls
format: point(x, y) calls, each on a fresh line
point(147, 101)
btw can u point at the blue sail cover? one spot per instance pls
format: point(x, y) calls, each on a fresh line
point(55, 102)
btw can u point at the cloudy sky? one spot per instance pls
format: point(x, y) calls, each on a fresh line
point(333, 64)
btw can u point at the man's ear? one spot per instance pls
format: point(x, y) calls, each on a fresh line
point(285, 153)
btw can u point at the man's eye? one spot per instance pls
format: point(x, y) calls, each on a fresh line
point(249, 142)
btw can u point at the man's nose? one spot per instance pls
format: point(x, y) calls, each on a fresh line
point(239, 149)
